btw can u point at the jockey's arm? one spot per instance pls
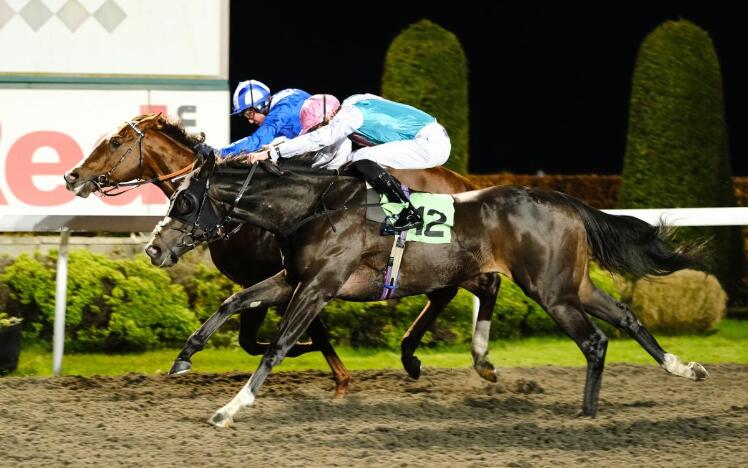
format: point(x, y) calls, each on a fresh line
point(345, 122)
point(265, 133)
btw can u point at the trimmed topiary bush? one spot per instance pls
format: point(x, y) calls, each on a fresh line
point(677, 149)
point(686, 301)
point(426, 67)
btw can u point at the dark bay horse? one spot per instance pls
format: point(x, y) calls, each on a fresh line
point(542, 240)
point(164, 151)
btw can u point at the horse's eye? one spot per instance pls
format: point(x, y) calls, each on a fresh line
point(183, 205)
point(116, 143)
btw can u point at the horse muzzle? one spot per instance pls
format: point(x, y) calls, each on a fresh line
point(81, 188)
point(161, 258)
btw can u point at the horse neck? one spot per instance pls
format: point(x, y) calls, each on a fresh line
point(278, 203)
point(165, 156)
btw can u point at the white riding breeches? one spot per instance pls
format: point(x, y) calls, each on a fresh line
point(430, 148)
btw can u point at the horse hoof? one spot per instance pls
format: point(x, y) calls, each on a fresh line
point(699, 372)
point(413, 367)
point(180, 367)
point(221, 420)
point(339, 393)
point(487, 371)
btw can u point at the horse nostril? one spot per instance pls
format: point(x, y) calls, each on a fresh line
point(152, 251)
point(71, 177)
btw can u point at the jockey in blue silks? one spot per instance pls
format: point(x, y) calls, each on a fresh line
point(276, 115)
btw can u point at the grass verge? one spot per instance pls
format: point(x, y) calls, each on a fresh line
point(728, 344)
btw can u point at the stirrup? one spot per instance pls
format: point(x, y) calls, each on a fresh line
point(406, 220)
point(388, 226)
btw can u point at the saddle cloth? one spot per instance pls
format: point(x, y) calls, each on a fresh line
point(437, 212)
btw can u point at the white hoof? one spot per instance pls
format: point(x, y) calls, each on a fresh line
point(220, 419)
point(699, 372)
point(692, 370)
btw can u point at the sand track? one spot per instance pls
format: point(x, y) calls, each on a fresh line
point(448, 417)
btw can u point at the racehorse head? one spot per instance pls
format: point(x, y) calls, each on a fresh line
point(192, 217)
point(134, 154)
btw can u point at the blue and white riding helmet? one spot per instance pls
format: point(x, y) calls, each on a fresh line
point(251, 94)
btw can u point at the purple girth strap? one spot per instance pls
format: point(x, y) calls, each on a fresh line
point(390, 282)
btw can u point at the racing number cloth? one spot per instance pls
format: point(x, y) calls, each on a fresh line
point(438, 214)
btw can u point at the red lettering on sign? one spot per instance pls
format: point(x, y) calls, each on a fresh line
point(2, 198)
point(19, 167)
point(153, 109)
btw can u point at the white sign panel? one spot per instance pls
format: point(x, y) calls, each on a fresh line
point(45, 132)
point(186, 38)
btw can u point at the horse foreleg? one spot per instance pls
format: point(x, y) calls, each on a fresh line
point(437, 301)
point(307, 302)
point(318, 332)
point(249, 324)
point(272, 291)
point(621, 316)
point(486, 289)
point(251, 320)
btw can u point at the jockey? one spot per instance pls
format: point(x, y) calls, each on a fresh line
point(392, 134)
point(275, 115)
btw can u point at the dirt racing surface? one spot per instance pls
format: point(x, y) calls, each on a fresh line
point(448, 418)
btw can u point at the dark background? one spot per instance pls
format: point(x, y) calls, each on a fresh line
point(549, 85)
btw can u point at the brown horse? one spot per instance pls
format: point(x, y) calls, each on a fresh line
point(153, 149)
point(543, 240)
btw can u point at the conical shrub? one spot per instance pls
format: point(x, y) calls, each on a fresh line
point(426, 68)
point(677, 152)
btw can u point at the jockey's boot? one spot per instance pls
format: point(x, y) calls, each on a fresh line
point(386, 184)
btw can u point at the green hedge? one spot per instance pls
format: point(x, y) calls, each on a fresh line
point(129, 305)
point(677, 150)
point(112, 305)
point(426, 67)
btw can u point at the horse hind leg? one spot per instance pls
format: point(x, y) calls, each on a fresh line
point(437, 301)
point(591, 341)
point(486, 288)
point(620, 315)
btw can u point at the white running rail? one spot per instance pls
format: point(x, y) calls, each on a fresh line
point(689, 216)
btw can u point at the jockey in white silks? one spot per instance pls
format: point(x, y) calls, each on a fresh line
point(392, 135)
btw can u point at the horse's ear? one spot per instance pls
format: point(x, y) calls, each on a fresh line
point(204, 160)
point(160, 120)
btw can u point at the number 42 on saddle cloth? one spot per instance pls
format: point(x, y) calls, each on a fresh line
point(438, 214)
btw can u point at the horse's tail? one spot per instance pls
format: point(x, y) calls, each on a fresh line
point(628, 245)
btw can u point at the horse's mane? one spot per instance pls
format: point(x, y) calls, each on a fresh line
point(173, 128)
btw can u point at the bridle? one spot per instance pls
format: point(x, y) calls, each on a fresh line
point(191, 238)
point(108, 187)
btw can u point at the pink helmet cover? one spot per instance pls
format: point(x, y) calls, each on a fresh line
point(312, 110)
